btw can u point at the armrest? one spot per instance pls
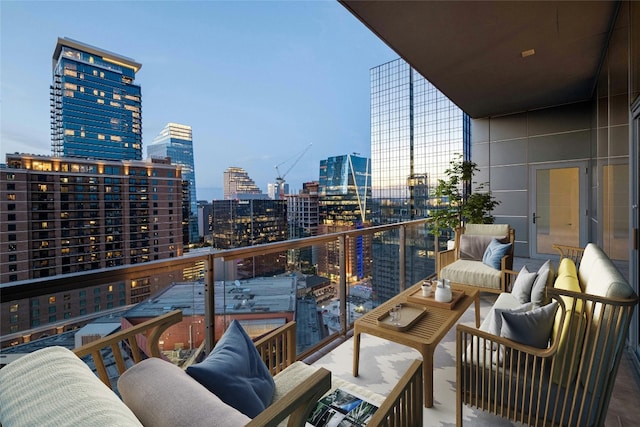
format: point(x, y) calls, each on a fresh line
point(508, 278)
point(445, 258)
point(153, 329)
point(404, 402)
point(278, 348)
point(297, 404)
point(465, 335)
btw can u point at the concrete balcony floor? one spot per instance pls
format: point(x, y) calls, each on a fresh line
point(382, 363)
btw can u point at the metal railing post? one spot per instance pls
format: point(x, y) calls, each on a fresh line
point(343, 283)
point(209, 305)
point(401, 255)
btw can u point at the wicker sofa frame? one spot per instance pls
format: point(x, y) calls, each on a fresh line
point(520, 387)
point(402, 407)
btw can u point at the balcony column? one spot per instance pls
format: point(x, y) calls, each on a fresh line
point(343, 283)
point(209, 305)
point(401, 255)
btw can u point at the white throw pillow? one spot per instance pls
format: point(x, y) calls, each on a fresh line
point(522, 286)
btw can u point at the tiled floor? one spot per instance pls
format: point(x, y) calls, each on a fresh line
point(624, 408)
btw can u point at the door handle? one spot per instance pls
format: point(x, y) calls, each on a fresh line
point(535, 217)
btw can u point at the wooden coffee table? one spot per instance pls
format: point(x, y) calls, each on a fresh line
point(424, 335)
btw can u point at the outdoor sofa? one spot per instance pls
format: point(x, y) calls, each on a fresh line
point(554, 368)
point(54, 386)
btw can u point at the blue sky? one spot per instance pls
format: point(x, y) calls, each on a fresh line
point(257, 80)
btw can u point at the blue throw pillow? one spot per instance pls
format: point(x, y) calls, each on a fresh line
point(494, 253)
point(235, 372)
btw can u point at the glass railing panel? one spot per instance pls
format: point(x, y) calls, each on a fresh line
point(385, 271)
point(265, 290)
point(325, 283)
point(359, 276)
point(419, 254)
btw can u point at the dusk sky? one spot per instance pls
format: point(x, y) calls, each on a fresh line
point(258, 81)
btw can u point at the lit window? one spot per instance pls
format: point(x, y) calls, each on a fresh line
point(82, 134)
point(95, 91)
point(102, 93)
point(100, 101)
point(82, 88)
point(13, 308)
point(70, 132)
point(52, 300)
point(100, 136)
point(70, 86)
point(116, 96)
point(102, 75)
point(11, 196)
point(68, 93)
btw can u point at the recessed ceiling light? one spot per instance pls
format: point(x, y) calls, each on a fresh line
point(529, 52)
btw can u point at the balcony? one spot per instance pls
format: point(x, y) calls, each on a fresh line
point(229, 286)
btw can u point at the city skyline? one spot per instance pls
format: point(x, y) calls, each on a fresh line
point(255, 80)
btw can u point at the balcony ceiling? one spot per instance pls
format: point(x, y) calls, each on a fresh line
point(472, 51)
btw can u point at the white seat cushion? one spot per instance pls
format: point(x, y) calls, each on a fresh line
point(52, 386)
point(467, 272)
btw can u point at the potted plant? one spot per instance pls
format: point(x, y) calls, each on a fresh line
point(453, 204)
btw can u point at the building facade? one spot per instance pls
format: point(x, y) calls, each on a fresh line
point(96, 107)
point(237, 182)
point(67, 215)
point(176, 142)
point(205, 219)
point(303, 214)
point(303, 219)
point(344, 193)
point(241, 223)
point(415, 132)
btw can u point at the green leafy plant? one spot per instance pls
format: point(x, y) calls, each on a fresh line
point(453, 204)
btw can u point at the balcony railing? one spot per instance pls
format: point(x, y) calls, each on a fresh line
point(324, 282)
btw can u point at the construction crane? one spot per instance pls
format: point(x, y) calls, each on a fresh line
point(280, 177)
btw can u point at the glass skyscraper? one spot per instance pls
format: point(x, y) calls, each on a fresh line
point(95, 104)
point(415, 132)
point(344, 198)
point(175, 141)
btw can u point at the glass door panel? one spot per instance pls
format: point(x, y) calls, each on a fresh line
point(557, 207)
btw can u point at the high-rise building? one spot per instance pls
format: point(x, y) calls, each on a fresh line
point(344, 193)
point(175, 141)
point(303, 218)
point(237, 182)
point(205, 219)
point(95, 104)
point(303, 214)
point(240, 223)
point(66, 215)
point(415, 132)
